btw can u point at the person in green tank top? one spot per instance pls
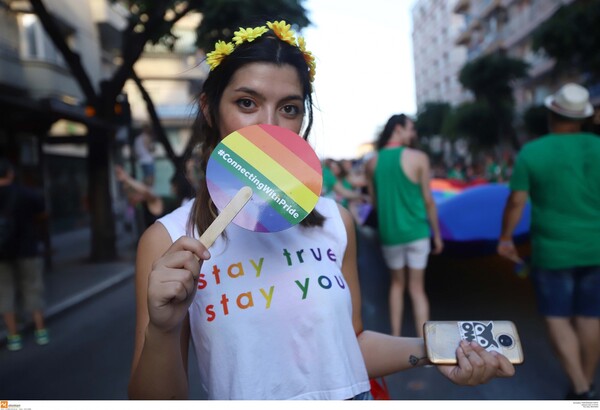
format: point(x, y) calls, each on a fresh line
point(338, 184)
point(399, 179)
point(560, 174)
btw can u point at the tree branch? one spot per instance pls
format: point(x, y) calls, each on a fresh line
point(156, 124)
point(72, 59)
point(133, 46)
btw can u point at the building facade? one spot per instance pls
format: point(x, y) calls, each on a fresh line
point(44, 126)
point(44, 116)
point(437, 58)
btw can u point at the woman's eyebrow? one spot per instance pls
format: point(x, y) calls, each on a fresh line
point(293, 97)
point(257, 94)
point(249, 91)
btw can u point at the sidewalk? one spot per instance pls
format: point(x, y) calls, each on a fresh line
point(74, 279)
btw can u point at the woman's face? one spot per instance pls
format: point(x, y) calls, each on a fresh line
point(262, 93)
point(335, 168)
point(408, 132)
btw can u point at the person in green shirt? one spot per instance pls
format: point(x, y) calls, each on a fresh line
point(457, 173)
point(560, 174)
point(399, 184)
point(336, 184)
point(329, 179)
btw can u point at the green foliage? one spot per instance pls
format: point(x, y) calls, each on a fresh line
point(481, 123)
point(535, 120)
point(489, 120)
point(431, 117)
point(220, 18)
point(490, 76)
point(223, 17)
point(571, 36)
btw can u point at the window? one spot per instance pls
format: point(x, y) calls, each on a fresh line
point(36, 45)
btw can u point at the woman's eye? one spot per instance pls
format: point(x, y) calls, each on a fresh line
point(291, 109)
point(245, 103)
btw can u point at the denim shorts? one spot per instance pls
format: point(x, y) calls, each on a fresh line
point(567, 292)
point(147, 170)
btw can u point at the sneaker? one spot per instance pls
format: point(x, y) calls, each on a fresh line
point(14, 343)
point(41, 337)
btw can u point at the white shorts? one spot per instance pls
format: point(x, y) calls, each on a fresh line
point(413, 254)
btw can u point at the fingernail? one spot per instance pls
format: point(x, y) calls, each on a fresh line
point(206, 254)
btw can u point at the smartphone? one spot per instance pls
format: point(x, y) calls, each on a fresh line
point(442, 339)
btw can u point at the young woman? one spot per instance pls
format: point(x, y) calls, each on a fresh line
point(269, 316)
point(399, 185)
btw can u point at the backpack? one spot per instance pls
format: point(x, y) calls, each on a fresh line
point(8, 224)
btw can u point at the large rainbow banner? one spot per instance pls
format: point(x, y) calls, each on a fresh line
point(282, 169)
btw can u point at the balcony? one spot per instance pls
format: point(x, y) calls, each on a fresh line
point(491, 7)
point(113, 15)
point(464, 38)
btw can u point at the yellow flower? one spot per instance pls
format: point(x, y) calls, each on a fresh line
point(308, 57)
point(248, 34)
point(222, 49)
point(283, 31)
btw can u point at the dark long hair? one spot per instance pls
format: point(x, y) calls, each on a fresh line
point(386, 134)
point(269, 49)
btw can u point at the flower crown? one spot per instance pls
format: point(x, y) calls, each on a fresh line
point(280, 28)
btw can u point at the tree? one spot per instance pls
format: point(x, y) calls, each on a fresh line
point(430, 119)
point(490, 79)
point(478, 122)
point(571, 37)
point(149, 21)
point(222, 17)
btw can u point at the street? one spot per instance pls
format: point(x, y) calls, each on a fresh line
point(91, 344)
point(89, 356)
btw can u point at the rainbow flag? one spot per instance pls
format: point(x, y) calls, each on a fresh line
point(281, 168)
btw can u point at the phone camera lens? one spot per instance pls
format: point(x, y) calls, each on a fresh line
point(505, 340)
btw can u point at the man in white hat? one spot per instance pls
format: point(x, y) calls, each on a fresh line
point(560, 174)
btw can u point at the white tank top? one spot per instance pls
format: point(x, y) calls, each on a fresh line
point(272, 317)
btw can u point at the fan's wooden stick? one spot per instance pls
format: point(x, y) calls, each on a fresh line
point(226, 216)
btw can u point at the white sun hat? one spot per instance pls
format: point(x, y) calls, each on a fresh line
point(572, 101)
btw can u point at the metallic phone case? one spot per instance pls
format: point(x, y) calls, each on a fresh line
point(442, 339)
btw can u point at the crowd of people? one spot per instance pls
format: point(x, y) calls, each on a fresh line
point(345, 180)
point(558, 173)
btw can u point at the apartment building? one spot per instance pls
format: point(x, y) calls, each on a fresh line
point(44, 120)
point(492, 25)
point(44, 123)
point(437, 58)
